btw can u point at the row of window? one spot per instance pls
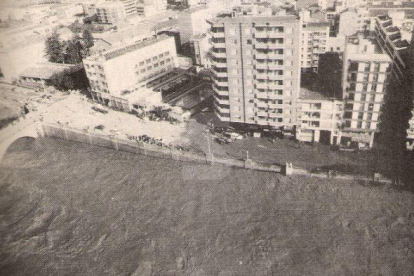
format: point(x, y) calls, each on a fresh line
point(153, 59)
point(153, 66)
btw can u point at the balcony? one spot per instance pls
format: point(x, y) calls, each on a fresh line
point(219, 74)
point(274, 115)
point(220, 64)
point(262, 104)
point(227, 102)
point(275, 86)
point(219, 92)
point(261, 85)
point(262, 113)
point(218, 55)
point(220, 83)
point(219, 45)
point(273, 106)
point(217, 35)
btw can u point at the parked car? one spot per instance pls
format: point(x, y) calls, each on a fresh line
point(222, 140)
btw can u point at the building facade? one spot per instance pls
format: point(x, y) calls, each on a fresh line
point(365, 77)
point(315, 36)
point(106, 12)
point(256, 69)
point(319, 120)
point(117, 74)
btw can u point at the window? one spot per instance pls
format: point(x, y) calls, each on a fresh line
point(143, 71)
point(249, 41)
point(149, 68)
point(234, 41)
point(160, 55)
point(141, 63)
point(148, 61)
point(154, 58)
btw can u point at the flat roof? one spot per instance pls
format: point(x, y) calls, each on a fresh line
point(257, 19)
point(306, 94)
point(117, 52)
point(47, 70)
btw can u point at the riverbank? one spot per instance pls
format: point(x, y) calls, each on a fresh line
point(72, 209)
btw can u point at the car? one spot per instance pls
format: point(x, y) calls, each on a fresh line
point(236, 136)
point(222, 140)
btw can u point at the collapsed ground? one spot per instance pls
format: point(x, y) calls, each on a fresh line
point(70, 209)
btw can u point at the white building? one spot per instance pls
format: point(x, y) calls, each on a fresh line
point(147, 8)
point(319, 118)
point(119, 73)
point(106, 12)
point(192, 22)
point(314, 36)
point(365, 77)
point(200, 46)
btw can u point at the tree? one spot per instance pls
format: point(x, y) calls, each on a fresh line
point(67, 80)
point(55, 49)
point(87, 39)
point(73, 51)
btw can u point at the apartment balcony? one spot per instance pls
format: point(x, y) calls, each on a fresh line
point(262, 85)
point(220, 92)
point(222, 110)
point(275, 56)
point(273, 96)
point(262, 104)
point(274, 77)
point(268, 56)
point(217, 35)
point(262, 114)
point(275, 86)
point(276, 105)
point(218, 55)
point(219, 45)
point(274, 115)
point(275, 45)
point(220, 83)
point(220, 64)
point(274, 66)
point(227, 102)
point(262, 95)
point(261, 35)
point(219, 74)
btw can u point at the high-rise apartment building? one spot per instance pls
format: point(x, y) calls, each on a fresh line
point(115, 75)
point(365, 77)
point(256, 68)
point(314, 38)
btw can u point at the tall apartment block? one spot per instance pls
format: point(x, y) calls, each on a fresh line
point(116, 75)
point(365, 76)
point(256, 69)
point(398, 43)
point(314, 38)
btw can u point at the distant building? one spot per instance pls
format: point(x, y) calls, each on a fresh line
point(200, 49)
point(365, 77)
point(256, 69)
point(335, 44)
point(106, 12)
point(350, 23)
point(119, 73)
point(146, 8)
point(192, 22)
point(313, 41)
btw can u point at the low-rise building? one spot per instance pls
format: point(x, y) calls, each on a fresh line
point(39, 76)
point(117, 73)
point(319, 118)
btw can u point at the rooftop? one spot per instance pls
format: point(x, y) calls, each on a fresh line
point(306, 94)
point(114, 53)
point(256, 19)
point(47, 70)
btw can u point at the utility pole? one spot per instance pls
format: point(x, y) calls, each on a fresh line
point(208, 143)
point(247, 155)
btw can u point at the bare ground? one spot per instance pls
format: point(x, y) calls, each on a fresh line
point(71, 209)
